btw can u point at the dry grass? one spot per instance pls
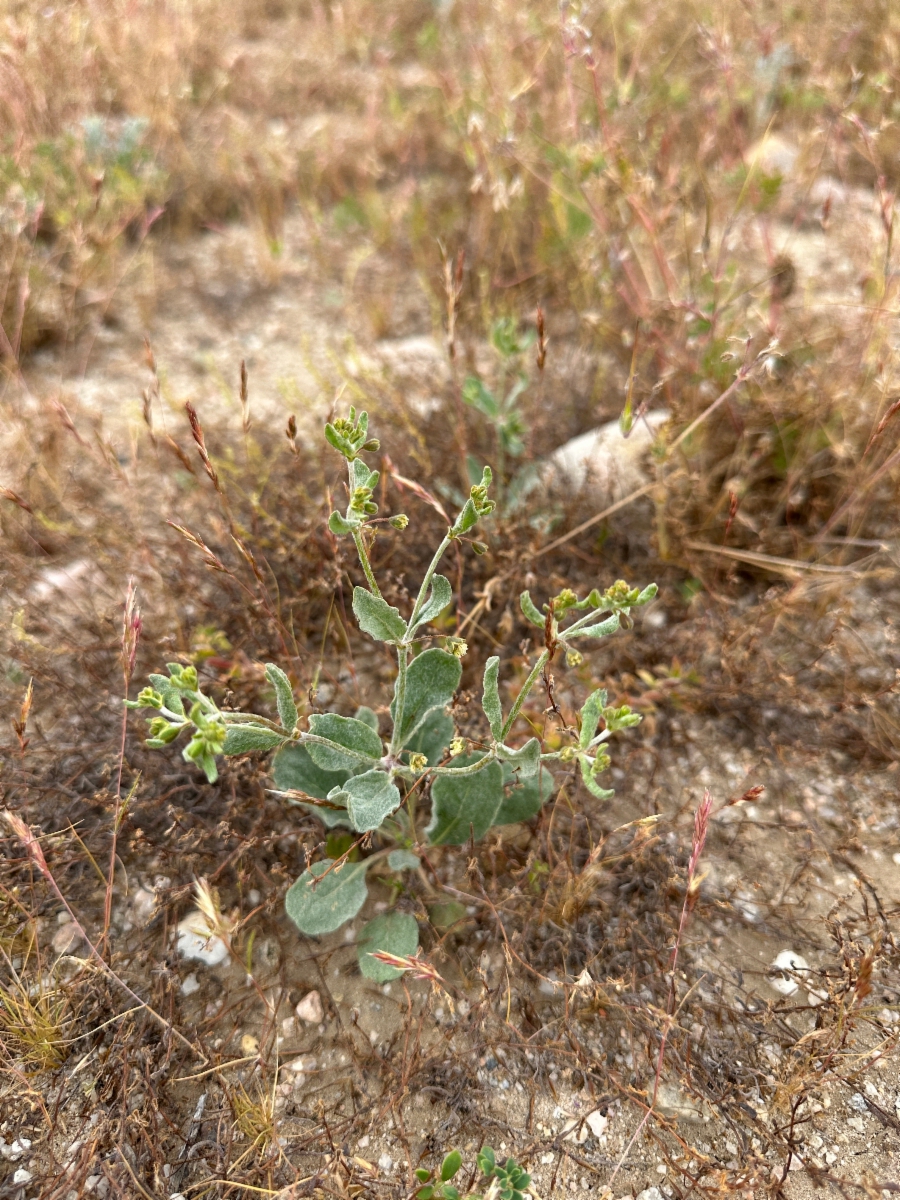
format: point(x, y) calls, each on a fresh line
point(618, 180)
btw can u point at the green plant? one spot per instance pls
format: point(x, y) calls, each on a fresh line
point(340, 767)
point(508, 1182)
point(502, 409)
point(439, 1187)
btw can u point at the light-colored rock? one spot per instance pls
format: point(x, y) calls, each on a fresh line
point(787, 970)
point(143, 905)
point(193, 944)
point(190, 984)
point(67, 939)
point(597, 1124)
point(310, 1009)
point(603, 461)
point(650, 1193)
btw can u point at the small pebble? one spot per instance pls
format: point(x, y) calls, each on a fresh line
point(210, 950)
point(310, 1009)
point(66, 939)
point(190, 984)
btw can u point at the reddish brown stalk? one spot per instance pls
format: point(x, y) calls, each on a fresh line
point(34, 851)
point(131, 634)
point(701, 829)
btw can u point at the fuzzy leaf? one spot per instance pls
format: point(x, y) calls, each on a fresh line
point(370, 798)
point(284, 696)
point(490, 700)
point(433, 736)
point(590, 717)
point(523, 801)
point(346, 731)
point(377, 618)
point(338, 526)
point(526, 760)
point(440, 597)
point(465, 805)
point(327, 905)
point(294, 770)
point(170, 694)
point(241, 739)
point(529, 611)
point(476, 394)
point(404, 860)
point(591, 783)
point(610, 625)
point(431, 683)
point(394, 932)
point(362, 476)
point(468, 516)
point(367, 716)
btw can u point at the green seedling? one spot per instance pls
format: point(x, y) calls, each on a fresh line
point(352, 776)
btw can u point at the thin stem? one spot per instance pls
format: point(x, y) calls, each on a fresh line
point(426, 583)
point(366, 565)
point(523, 694)
point(456, 772)
point(399, 696)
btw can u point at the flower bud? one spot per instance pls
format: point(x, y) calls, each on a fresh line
point(400, 521)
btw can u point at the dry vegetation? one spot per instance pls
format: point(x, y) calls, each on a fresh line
point(701, 198)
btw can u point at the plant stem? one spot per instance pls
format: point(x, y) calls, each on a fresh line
point(366, 565)
point(399, 695)
point(523, 694)
point(426, 583)
point(456, 772)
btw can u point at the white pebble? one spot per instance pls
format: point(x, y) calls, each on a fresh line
point(190, 984)
point(789, 964)
point(209, 950)
point(310, 1008)
point(597, 1123)
point(22, 1176)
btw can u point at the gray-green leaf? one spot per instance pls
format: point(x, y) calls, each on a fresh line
point(591, 783)
point(524, 800)
point(284, 696)
point(241, 739)
point(441, 595)
point(367, 716)
point(610, 625)
point(317, 908)
point(294, 770)
point(526, 760)
point(169, 692)
point(370, 798)
point(357, 736)
point(490, 700)
point(465, 805)
point(433, 736)
point(431, 683)
point(377, 618)
point(394, 932)
point(338, 526)
point(590, 717)
point(529, 611)
point(404, 860)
